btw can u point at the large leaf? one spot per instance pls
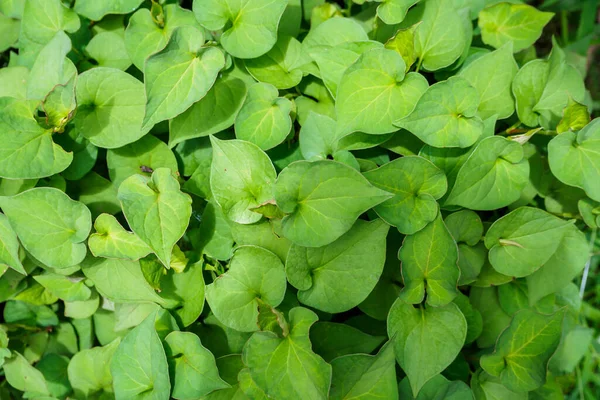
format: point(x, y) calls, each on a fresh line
point(416, 184)
point(520, 24)
point(374, 92)
point(110, 107)
point(192, 366)
point(95, 10)
point(111, 240)
point(156, 210)
point(55, 232)
point(249, 27)
point(284, 367)
point(429, 265)
point(493, 176)
point(426, 340)
point(492, 75)
point(241, 179)
point(574, 158)
point(24, 377)
point(523, 350)
point(323, 200)
point(336, 277)
point(139, 366)
point(523, 240)
point(364, 376)
point(446, 115)
point(179, 75)
point(50, 68)
point(264, 119)
point(255, 277)
point(27, 150)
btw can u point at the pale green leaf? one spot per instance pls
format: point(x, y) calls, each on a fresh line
point(108, 49)
point(89, 370)
point(393, 11)
point(9, 246)
point(95, 10)
point(111, 240)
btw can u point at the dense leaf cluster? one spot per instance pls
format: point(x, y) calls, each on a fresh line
point(291, 199)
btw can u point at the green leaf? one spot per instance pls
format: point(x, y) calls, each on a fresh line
point(111, 240)
point(141, 157)
point(375, 91)
point(156, 210)
point(139, 366)
point(575, 117)
point(55, 232)
point(65, 288)
point(524, 349)
point(560, 269)
point(24, 377)
point(284, 367)
point(364, 376)
point(440, 38)
point(445, 116)
point(493, 176)
point(281, 66)
point(332, 340)
point(520, 24)
point(437, 388)
point(524, 240)
point(492, 75)
point(264, 119)
point(249, 28)
point(187, 290)
point(192, 366)
point(467, 230)
point(573, 158)
point(323, 200)
point(333, 32)
point(89, 370)
point(144, 36)
point(426, 340)
point(494, 319)
point(241, 178)
point(95, 10)
point(27, 150)
point(429, 264)
point(416, 184)
point(486, 386)
point(393, 12)
point(255, 276)
point(121, 281)
point(50, 67)
point(179, 75)
point(111, 106)
point(108, 49)
point(543, 88)
point(213, 113)
point(403, 43)
point(9, 246)
point(337, 277)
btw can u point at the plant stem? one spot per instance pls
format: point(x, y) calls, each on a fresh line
point(564, 24)
point(586, 270)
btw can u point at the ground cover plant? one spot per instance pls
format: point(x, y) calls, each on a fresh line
point(299, 199)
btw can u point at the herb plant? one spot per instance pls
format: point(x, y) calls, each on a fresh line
point(295, 199)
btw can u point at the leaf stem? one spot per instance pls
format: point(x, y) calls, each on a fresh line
point(586, 270)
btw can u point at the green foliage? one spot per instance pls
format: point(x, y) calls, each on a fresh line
point(299, 199)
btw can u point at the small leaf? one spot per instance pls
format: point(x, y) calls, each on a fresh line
point(9, 246)
point(89, 370)
point(111, 240)
point(393, 11)
point(524, 349)
point(575, 117)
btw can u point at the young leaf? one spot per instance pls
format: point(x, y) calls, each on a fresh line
point(139, 366)
point(365, 376)
point(287, 366)
point(111, 106)
point(574, 158)
point(264, 119)
point(520, 24)
point(429, 265)
point(492, 75)
point(339, 276)
point(157, 211)
point(249, 28)
point(255, 276)
point(55, 232)
point(375, 91)
point(111, 240)
point(446, 115)
point(523, 240)
point(192, 366)
point(323, 200)
point(522, 352)
point(493, 176)
point(27, 150)
point(179, 75)
point(416, 184)
point(426, 340)
point(241, 179)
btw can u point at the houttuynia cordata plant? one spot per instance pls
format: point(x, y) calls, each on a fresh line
point(297, 199)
